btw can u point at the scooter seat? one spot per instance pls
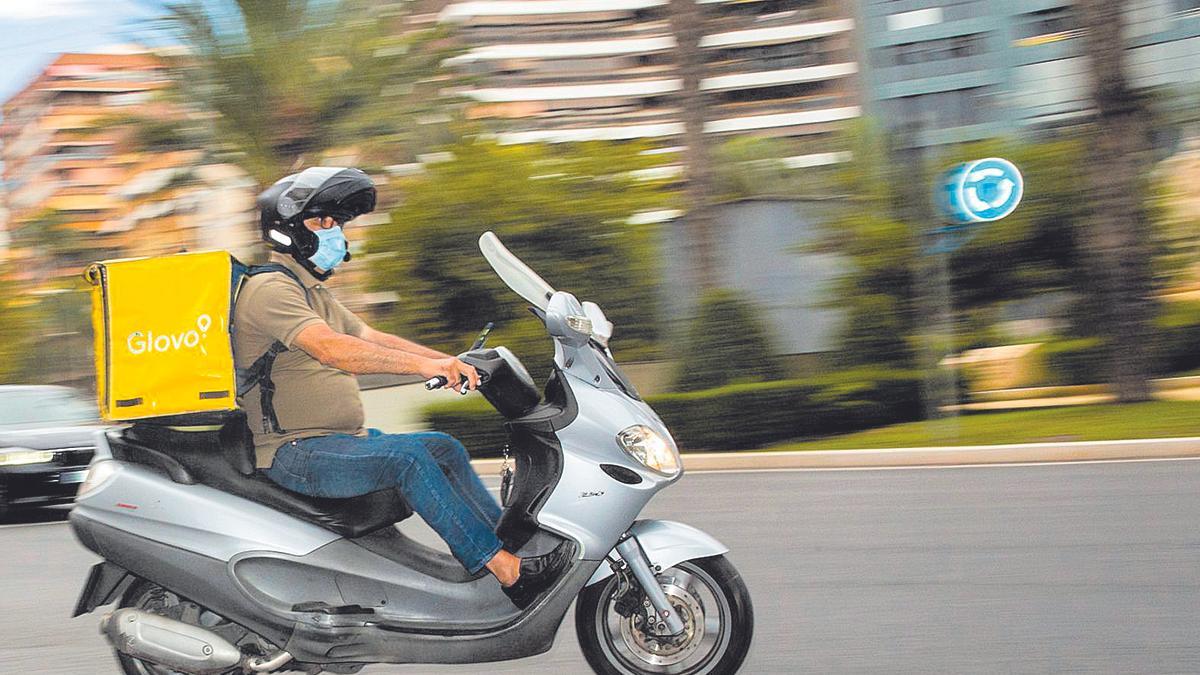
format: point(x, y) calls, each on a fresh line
point(224, 460)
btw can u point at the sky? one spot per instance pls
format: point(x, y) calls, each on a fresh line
point(32, 32)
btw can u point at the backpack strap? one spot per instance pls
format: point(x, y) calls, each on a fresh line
point(259, 372)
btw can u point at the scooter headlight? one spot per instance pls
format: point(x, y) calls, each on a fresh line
point(650, 448)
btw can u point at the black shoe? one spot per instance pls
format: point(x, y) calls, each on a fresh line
point(538, 574)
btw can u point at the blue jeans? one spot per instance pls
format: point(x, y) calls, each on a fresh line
point(432, 471)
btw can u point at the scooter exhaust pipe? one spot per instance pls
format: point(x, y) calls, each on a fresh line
point(170, 643)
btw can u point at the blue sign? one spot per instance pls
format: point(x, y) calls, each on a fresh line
point(981, 191)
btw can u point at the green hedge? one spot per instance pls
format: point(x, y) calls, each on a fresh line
point(1075, 361)
point(1172, 344)
point(737, 416)
point(1177, 332)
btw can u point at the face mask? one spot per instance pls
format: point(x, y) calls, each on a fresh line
point(331, 248)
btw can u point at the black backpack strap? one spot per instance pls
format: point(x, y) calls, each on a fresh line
point(259, 372)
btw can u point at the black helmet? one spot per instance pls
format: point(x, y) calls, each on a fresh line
point(320, 191)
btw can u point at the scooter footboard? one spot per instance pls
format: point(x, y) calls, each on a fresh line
point(667, 543)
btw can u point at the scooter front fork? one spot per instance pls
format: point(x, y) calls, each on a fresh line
point(631, 552)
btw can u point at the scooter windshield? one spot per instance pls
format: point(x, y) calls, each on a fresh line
point(524, 281)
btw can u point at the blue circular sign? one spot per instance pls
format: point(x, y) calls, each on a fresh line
point(981, 191)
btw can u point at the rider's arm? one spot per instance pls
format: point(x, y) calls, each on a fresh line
point(360, 357)
point(396, 342)
point(359, 328)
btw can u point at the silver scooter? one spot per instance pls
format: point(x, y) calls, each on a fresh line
point(216, 570)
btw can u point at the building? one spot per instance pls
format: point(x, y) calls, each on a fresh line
point(577, 70)
point(948, 72)
point(82, 185)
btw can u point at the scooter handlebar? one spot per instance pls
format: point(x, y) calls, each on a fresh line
point(439, 381)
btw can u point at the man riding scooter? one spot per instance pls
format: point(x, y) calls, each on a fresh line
point(297, 350)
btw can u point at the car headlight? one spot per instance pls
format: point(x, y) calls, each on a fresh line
point(650, 448)
point(18, 456)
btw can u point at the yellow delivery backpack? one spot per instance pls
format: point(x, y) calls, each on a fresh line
point(162, 334)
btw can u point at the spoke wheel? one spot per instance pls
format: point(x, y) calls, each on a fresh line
point(710, 598)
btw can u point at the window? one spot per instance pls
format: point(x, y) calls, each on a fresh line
point(1186, 6)
point(791, 55)
point(1049, 22)
point(945, 109)
point(960, 46)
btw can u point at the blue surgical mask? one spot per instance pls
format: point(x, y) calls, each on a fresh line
point(331, 248)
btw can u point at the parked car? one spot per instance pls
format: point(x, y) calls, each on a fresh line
point(46, 442)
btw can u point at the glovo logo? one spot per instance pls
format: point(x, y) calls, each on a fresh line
point(142, 343)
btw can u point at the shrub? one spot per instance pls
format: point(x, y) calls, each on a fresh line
point(730, 343)
point(736, 416)
point(1178, 334)
point(1075, 361)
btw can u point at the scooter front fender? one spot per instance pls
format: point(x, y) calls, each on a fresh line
point(666, 544)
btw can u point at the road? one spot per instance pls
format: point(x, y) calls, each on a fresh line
point(1082, 568)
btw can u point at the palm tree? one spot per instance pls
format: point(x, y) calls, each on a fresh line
point(289, 79)
point(1118, 234)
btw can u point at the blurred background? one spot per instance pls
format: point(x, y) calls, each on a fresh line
point(745, 186)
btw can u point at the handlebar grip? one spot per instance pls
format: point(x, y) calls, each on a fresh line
point(435, 382)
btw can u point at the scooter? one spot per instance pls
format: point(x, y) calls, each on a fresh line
point(214, 569)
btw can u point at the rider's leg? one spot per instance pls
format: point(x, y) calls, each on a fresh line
point(342, 466)
point(455, 462)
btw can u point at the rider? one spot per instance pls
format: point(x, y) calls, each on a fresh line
point(297, 350)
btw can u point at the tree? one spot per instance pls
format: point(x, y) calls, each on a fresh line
point(563, 209)
point(290, 79)
point(732, 338)
point(687, 25)
point(1118, 231)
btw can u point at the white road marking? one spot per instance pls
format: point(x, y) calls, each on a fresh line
point(919, 467)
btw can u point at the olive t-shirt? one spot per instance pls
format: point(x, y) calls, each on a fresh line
point(311, 399)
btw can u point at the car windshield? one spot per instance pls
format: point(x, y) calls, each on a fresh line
point(25, 407)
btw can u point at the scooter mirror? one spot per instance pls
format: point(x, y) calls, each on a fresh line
point(602, 328)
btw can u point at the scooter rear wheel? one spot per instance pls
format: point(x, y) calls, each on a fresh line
point(709, 595)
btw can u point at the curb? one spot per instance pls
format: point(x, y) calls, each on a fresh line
point(1077, 451)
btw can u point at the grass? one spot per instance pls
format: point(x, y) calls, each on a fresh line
point(1156, 419)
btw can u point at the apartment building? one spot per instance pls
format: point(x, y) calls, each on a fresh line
point(79, 185)
point(578, 70)
point(949, 72)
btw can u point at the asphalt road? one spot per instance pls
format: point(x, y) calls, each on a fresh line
point(1025, 569)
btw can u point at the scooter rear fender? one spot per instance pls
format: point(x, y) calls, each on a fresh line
point(667, 543)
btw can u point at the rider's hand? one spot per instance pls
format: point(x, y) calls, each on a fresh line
point(453, 370)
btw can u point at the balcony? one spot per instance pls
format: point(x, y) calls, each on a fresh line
point(777, 120)
point(583, 31)
point(767, 14)
point(774, 78)
point(564, 50)
point(778, 34)
point(621, 90)
point(598, 133)
point(465, 11)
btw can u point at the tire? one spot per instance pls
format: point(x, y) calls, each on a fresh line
point(150, 597)
point(708, 587)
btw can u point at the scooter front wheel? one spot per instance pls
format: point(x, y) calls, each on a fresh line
point(710, 597)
